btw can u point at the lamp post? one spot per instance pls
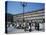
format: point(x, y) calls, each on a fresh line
point(23, 5)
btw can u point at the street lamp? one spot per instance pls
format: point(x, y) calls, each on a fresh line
point(23, 5)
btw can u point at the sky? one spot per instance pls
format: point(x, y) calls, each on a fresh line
point(16, 7)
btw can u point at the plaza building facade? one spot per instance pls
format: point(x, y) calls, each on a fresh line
point(35, 17)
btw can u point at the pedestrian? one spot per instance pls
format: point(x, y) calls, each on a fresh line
point(30, 27)
point(37, 26)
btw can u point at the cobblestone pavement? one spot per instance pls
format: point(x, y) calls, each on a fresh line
point(12, 30)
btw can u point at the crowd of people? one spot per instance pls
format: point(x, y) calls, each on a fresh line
point(28, 26)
